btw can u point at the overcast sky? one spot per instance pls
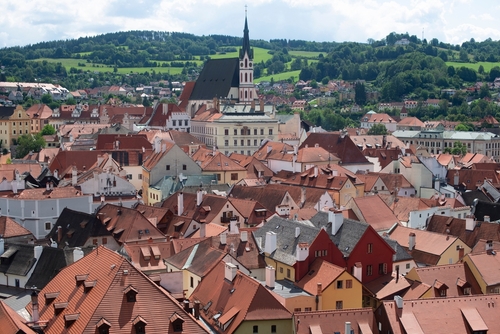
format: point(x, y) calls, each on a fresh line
point(453, 21)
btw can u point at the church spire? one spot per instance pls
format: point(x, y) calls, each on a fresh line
point(246, 41)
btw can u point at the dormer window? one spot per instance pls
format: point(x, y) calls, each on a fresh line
point(177, 323)
point(140, 325)
point(69, 319)
point(131, 294)
point(103, 326)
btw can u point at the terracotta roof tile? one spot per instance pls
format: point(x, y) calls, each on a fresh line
point(320, 271)
point(106, 299)
point(11, 229)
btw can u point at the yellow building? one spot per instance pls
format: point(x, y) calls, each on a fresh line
point(485, 267)
point(14, 121)
point(336, 288)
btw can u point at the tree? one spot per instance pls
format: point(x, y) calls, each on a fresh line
point(378, 129)
point(458, 149)
point(29, 143)
point(461, 127)
point(48, 130)
point(484, 91)
point(360, 94)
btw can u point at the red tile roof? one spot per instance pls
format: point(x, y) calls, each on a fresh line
point(109, 277)
point(11, 322)
point(11, 229)
point(239, 300)
point(374, 211)
point(362, 321)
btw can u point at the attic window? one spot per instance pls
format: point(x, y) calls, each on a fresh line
point(84, 223)
point(69, 319)
point(81, 278)
point(140, 325)
point(146, 253)
point(59, 307)
point(103, 326)
point(106, 220)
point(206, 307)
point(70, 233)
point(88, 285)
point(177, 322)
point(131, 293)
point(156, 252)
point(50, 297)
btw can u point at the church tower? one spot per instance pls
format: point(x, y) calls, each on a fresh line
point(246, 88)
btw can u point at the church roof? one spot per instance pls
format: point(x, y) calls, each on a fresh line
point(216, 79)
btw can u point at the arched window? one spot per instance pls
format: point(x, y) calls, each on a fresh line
point(246, 94)
point(250, 76)
point(246, 65)
point(246, 77)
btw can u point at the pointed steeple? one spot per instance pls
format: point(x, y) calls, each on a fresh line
point(246, 41)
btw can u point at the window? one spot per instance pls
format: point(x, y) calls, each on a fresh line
point(235, 142)
point(339, 305)
point(281, 270)
point(255, 142)
point(273, 328)
point(261, 132)
point(249, 142)
point(234, 176)
point(467, 291)
point(348, 283)
point(370, 248)
point(167, 167)
point(235, 132)
point(442, 292)
point(129, 176)
point(255, 329)
point(226, 142)
point(324, 252)
point(94, 241)
point(184, 167)
point(218, 177)
point(48, 226)
point(288, 273)
point(242, 142)
point(270, 132)
point(369, 270)
point(297, 309)
point(174, 122)
point(104, 241)
point(255, 132)
point(226, 132)
point(191, 282)
point(382, 268)
point(185, 122)
point(340, 284)
point(407, 266)
point(139, 176)
point(308, 309)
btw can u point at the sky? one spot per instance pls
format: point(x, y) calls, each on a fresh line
point(451, 21)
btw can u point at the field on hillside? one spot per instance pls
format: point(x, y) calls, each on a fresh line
point(280, 76)
point(260, 55)
point(475, 66)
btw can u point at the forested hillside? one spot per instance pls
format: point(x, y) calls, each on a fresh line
point(415, 69)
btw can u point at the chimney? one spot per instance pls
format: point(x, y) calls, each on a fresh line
point(180, 204)
point(157, 145)
point(2, 246)
point(270, 277)
point(347, 327)
point(37, 250)
point(230, 272)
point(399, 301)
point(397, 274)
point(261, 105)
point(336, 219)
point(203, 230)
point(461, 253)
point(47, 186)
point(199, 197)
point(358, 271)
point(302, 196)
point(185, 304)
point(223, 238)
point(302, 251)
point(297, 232)
point(59, 234)
point(196, 306)
point(469, 223)
point(252, 105)
point(270, 242)
point(77, 254)
point(74, 176)
point(34, 304)
point(315, 171)
point(244, 236)
point(486, 219)
point(319, 289)
point(53, 244)
point(488, 245)
point(411, 241)
point(233, 226)
point(56, 174)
